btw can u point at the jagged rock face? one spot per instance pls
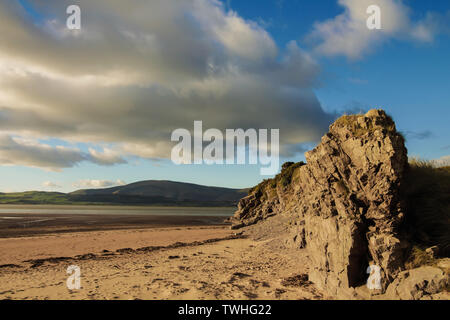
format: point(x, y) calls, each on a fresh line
point(344, 203)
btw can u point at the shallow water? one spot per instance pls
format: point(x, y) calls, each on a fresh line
point(114, 210)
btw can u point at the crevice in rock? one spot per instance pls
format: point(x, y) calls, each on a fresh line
point(358, 258)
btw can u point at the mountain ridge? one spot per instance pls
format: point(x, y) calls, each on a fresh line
point(146, 192)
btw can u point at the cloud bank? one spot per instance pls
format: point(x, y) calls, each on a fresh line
point(32, 153)
point(136, 71)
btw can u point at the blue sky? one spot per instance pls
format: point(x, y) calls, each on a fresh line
point(408, 76)
point(411, 81)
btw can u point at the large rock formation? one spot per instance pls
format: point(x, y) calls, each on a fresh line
point(343, 205)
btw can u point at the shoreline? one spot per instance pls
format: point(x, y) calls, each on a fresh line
point(16, 225)
point(99, 206)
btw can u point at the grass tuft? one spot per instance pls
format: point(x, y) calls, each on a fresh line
point(284, 178)
point(418, 257)
point(287, 171)
point(427, 194)
point(351, 122)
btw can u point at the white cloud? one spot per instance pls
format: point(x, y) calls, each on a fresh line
point(87, 183)
point(347, 34)
point(138, 70)
point(106, 157)
point(50, 185)
point(30, 152)
point(14, 151)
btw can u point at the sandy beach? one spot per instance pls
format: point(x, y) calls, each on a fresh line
point(19, 250)
point(158, 263)
point(154, 257)
point(127, 253)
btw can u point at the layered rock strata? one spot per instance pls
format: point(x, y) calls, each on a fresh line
point(344, 204)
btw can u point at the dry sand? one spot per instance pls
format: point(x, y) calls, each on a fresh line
point(164, 268)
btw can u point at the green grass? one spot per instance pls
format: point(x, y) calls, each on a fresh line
point(284, 178)
point(427, 194)
point(351, 122)
point(57, 198)
point(34, 197)
point(287, 170)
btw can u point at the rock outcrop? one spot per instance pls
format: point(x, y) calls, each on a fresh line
point(418, 283)
point(344, 205)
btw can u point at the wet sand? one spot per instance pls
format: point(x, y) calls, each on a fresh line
point(29, 224)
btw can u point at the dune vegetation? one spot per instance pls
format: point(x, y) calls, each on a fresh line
point(427, 195)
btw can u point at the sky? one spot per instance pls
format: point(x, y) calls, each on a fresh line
point(95, 107)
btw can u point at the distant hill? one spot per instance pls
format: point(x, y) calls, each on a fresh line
point(34, 197)
point(151, 192)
